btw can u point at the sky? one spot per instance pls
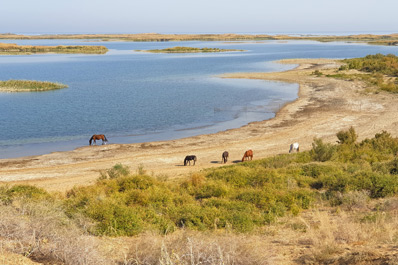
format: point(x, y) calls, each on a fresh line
point(200, 16)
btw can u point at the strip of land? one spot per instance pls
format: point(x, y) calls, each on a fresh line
point(385, 39)
point(190, 50)
point(14, 49)
point(29, 86)
point(325, 106)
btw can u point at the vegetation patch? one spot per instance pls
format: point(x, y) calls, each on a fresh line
point(14, 49)
point(190, 50)
point(240, 198)
point(236, 200)
point(29, 86)
point(379, 71)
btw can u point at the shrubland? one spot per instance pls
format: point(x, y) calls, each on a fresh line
point(194, 220)
point(380, 71)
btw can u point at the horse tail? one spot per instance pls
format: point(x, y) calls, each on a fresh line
point(91, 139)
point(185, 161)
point(106, 140)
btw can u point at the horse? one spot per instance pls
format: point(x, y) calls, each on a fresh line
point(248, 154)
point(98, 137)
point(188, 159)
point(294, 146)
point(224, 157)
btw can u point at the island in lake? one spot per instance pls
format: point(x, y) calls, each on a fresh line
point(14, 49)
point(28, 86)
point(190, 50)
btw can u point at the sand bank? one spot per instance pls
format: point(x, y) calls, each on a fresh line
point(324, 107)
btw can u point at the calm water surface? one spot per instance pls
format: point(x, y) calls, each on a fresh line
point(136, 97)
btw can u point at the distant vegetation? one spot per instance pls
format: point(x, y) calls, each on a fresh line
point(29, 86)
point(14, 49)
point(377, 70)
point(390, 39)
point(190, 50)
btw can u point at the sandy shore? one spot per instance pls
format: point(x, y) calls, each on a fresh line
point(324, 107)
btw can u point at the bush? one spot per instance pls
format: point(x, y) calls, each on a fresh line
point(317, 73)
point(7, 194)
point(320, 151)
point(347, 137)
point(116, 171)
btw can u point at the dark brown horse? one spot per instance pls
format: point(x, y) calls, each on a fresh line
point(248, 155)
point(188, 159)
point(98, 137)
point(225, 157)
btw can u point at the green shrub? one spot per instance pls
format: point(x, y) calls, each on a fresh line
point(322, 151)
point(114, 219)
point(116, 171)
point(8, 194)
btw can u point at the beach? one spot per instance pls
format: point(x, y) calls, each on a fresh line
point(324, 107)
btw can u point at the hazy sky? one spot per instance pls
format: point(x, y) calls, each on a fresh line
point(181, 16)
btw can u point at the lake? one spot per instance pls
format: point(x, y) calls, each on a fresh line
point(136, 97)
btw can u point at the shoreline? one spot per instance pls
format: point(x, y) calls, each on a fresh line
point(254, 111)
point(324, 106)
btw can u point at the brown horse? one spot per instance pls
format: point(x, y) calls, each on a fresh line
point(248, 154)
point(225, 157)
point(98, 137)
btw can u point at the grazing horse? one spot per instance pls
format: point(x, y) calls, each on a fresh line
point(188, 159)
point(225, 157)
point(294, 146)
point(98, 137)
point(248, 154)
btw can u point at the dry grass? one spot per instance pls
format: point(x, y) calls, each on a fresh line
point(187, 247)
point(359, 231)
point(367, 235)
point(42, 233)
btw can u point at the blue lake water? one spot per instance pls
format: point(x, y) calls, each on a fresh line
point(136, 97)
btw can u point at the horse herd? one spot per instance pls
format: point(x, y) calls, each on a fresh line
point(248, 155)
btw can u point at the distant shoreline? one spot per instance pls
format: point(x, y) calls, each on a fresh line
point(382, 39)
point(190, 50)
